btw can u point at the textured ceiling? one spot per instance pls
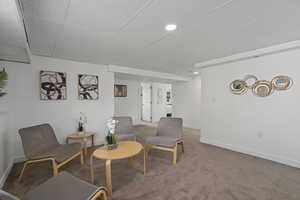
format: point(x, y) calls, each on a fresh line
point(13, 44)
point(131, 32)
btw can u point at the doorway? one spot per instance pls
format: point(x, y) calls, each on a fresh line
point(146, 102)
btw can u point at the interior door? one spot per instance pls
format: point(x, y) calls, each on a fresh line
point(146, 102)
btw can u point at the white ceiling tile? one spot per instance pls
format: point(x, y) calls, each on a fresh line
point(50, 10)
point(131, 32)
point(42, 35)
point(13, 42)
point(104, 16)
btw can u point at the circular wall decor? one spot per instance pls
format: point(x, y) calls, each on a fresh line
point(238, 87)
point(282, 82)
point(262, 88)
point(250, 81)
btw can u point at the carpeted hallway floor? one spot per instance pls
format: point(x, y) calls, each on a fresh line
point(203, 172)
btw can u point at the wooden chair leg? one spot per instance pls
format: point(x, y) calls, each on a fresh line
point(175, 155)
point(92, 170)
point(81, 158)
point(145, 159)
point(182, 146)
point(100, 194)
point(22, 172)
point(55, 168)
point(108, 177)
point(104, 196)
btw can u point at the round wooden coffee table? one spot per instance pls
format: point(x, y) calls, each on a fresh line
point(126, 149)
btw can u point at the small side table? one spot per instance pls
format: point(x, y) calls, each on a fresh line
point(83, 137)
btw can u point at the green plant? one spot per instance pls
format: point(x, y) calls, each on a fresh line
point(111, 138)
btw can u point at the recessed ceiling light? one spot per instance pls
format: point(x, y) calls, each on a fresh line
point(170, 27)
point(195, 73)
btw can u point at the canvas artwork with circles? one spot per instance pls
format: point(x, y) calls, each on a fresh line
point(260, 88)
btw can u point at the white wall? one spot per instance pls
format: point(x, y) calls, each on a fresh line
point(6, 128)
point(62, 115)
point(130, 105)
point(266, 127)
point(187, 102)
point(159, 107)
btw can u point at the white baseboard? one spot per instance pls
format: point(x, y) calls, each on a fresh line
point(279, 159)
point(9, 167)
point(6, 173)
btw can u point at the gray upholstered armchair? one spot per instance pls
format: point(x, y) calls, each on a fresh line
point(168, 137)
point(124, 129)
point(62, 187)
point(40, 144)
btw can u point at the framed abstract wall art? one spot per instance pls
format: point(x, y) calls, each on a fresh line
point(53, 85)
point(88, 87)
point(120, 90)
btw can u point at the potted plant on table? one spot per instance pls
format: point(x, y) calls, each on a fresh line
point(111, 137)
point(81, 123)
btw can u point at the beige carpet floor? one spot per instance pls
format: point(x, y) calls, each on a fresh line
point(203, 172)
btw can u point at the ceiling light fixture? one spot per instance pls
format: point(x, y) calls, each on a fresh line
point(196, 73)
point(170, 27)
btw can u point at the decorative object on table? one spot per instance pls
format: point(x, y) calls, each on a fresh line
point(53, 85)
point(111, 137)
point(3, 80)
point(250, 80)
point(88, 87)
point(81, 123)
point(282, 82)
point(120, 90)
point(238, 87)
point(260, 88)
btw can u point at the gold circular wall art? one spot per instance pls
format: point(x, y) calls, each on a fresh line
point(262, 88)
point(238, 87)
point(282, 82)
point(250, 81)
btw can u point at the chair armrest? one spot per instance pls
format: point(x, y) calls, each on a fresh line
point(101, 192)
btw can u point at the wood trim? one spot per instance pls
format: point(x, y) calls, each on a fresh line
point(69, 159)
point(174, 150)
point(92, 169)
point(102, 192)
point(108, 171)
point(55, 165)
point(108, 177)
